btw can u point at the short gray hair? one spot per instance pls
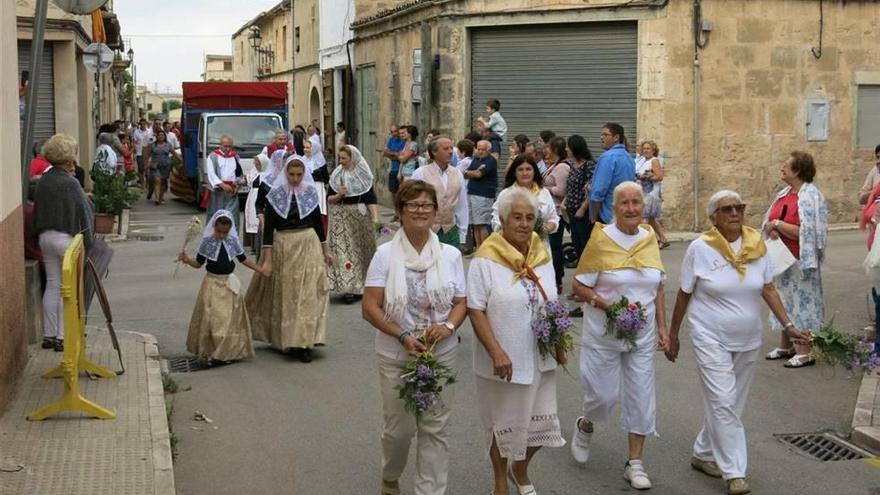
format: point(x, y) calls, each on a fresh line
point(513, 196)
point(60, 149)
point(716, 198)
point(626, 186)
point(435, 142)
point(227, 136)
point(538, 145)
point(105, 138)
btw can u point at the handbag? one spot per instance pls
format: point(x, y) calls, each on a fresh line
point(205, 198)
point(872, 263)
point(780, 256)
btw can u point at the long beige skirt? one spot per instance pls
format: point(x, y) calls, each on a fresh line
point(289, 309)
point(219, 328)
point(519, 416)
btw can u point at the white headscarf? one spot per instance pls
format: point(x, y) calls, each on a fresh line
point(316, 159)
point(210, 245)
point(273, 170)
point(358, 179)
point(405, 257)
point(279, 196)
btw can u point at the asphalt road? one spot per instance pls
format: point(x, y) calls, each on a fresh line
point(281, 426)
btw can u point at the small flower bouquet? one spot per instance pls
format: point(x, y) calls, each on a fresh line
point(539, 226)
point(552, 327)
point(423, 379)
point(193, 231)
point(625, 320)
point(834, 347)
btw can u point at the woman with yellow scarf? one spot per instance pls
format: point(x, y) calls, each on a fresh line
point(621, 260)
point(511, 278)
point(725, 274)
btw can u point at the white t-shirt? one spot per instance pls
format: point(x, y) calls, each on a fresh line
point(724, 309)
point(546, 208)
point(509, 307)
point(637, 285)
point(141, 138)
point(419, 312)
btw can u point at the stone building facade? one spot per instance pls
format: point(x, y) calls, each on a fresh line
point(217, 68)
point(766, 82)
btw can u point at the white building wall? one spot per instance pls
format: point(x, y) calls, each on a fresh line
point(335, 19)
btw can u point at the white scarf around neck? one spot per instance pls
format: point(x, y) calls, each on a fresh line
point(404, 257)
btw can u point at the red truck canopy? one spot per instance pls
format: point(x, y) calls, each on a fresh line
point(239, 95)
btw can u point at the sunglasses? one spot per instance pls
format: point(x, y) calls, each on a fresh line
point(727, 210)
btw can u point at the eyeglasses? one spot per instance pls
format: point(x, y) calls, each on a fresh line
point(727, 210)
point(605, 134)
point(414, 207)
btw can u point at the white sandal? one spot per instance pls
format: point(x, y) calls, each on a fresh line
point(796, 361)
point(521, 489)
point(780, 353)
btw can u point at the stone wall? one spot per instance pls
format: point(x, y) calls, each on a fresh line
point(757, 74)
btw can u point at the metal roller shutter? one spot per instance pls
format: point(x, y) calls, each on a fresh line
point(44, 127)
point(569, 78)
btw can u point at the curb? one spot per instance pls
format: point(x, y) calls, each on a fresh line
point(163, 467)
point(864, 432)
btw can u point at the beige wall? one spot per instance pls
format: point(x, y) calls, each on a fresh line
point(215, 68)
point(277, 32)
point(13, 341)
point(307, 73)
point(757, 76)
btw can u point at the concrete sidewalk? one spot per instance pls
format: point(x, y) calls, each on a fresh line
point(866, 417)
point(70, 454)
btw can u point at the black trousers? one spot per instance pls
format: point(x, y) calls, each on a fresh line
point(580, 233)
point(556, 251)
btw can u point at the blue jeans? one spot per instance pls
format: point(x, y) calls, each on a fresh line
point(393, 183)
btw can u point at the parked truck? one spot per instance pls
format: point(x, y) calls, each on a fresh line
point(249, 112)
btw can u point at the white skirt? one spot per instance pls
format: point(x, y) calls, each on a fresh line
point(519, 416)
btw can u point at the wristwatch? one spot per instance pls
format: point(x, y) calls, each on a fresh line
point(593, 300)
point(450, 326)
point(776, 224)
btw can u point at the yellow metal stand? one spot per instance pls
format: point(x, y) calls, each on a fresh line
point(74, 360)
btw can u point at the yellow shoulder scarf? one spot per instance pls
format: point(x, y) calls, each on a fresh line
point(753, 248)
point(497, 249)
point(603, 254)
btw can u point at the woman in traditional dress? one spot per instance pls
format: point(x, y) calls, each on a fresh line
point(725, 274)
point(61, 211)
point(509, 281)
point(414, 296)
point(523, 175)
point(353, 214)
point(219, 329)
point(621, 260)
point(289, 305)
point(799, 217)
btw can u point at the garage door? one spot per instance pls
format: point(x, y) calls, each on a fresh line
point(569, 78)
point(44, 127)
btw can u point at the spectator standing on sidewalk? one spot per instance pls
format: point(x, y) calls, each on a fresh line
point(39, 164)
point(141, 138)
point(392, 150)
point(482, 185)
point(62, 211)
point(556, 181)
point(451, 221)
point(615, 166)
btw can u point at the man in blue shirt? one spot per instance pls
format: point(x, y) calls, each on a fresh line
point(615, 166)
point(482, 176)
point(392, 151)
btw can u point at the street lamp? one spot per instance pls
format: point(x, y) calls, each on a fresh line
point(255, 37)
point(263, 57)
point(135, 112)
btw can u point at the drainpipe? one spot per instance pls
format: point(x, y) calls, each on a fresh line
point(699, 43)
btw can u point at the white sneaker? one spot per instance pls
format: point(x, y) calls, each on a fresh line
point(580, 443)
point(635, 473)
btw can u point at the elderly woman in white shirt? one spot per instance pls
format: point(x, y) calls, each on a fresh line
point(725, 274)
point(523, 175)
point(510, 279)
point(414, 295)
point(621, 260)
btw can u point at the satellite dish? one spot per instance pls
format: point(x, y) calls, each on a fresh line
point(81, 7)
point(98, 57)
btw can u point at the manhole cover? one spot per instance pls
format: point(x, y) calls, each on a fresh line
point(823, 446)
point(187, 364)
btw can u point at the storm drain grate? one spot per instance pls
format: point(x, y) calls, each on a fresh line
point(187, 364)
point(823, 446)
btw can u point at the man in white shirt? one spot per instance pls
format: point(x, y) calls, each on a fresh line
point(224, 173)
point(141, 138)
point(172, 138)
point(451, 223)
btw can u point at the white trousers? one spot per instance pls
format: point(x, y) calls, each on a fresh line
point(432, 454)
point(725, 377)
point(53, 244)
point(602, 371)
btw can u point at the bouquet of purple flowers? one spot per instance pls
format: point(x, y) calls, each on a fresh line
point(834, 347)
point(625, 320)
point(552, 327)
point(423, 379)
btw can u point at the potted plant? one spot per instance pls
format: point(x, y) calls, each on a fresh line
point(111, 195)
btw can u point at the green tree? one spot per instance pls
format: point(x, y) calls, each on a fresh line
point(170, 105)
